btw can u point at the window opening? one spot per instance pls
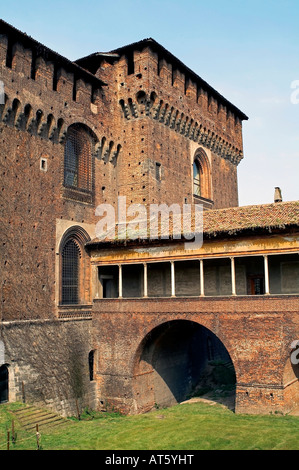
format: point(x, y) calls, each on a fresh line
point(77, 169)
point(75, 89)
point(91, 365)
point(3, 384)
point(43, 164)
point(55, 77)
point(131, 65)
point(70, 272)
point(257, 285)
point(9, 54)
point(196, 179)
point(33, 65)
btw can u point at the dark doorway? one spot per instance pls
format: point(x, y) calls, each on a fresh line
point(91, 365)
point(256, 285)
point(182, 360)
point(3, 384)
point(108, 277)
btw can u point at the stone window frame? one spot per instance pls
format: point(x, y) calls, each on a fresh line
point(80, 237)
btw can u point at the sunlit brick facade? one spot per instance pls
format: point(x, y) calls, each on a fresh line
point(139, 321)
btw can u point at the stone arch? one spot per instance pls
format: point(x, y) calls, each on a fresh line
point(61, 130)
point(16, 112)
point(152, 100)
point(142, 101)
point(39, 117)
point(13, 112)
point(141, 97)
point(28, 115)
point(50, 127)
point(179, 358)
point(4, 106)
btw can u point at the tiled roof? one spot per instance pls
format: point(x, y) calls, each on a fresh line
point(223, 222)
point(265, 216)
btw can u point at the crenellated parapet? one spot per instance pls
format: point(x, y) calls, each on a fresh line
point(41, 123)
point(31, 62)
point(147, 56)
point(45, 93)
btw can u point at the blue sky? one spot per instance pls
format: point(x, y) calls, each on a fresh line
point(247, 49)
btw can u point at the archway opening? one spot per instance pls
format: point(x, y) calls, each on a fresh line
point(180, 360)
point(3, 384)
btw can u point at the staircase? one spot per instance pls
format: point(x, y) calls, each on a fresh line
point(30, 416)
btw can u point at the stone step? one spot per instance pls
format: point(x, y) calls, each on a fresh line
point(30, 416)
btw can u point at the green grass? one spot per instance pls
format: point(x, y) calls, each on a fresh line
point(196, 426)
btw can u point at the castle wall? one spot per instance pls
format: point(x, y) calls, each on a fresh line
point(257, 334)
point(145, 136)
point(48, 364)
point(43, 97)
point(164, 119)
point(148, 117)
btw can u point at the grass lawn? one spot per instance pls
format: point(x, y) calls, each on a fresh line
point(191, 426)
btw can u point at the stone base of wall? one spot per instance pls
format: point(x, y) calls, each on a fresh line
point(48, 364)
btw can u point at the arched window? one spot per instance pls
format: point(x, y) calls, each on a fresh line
point(75, 269)
point(70, 255)
point(196, 178)
point(78, 158)
point(202, 177)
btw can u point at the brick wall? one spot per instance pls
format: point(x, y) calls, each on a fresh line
point(164, 119)
point(45, 94)
point(256, 331)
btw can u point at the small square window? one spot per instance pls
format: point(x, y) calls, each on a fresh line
point(43, 164)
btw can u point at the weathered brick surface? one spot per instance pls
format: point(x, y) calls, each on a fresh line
point(142, 107)
point(257, 333)
point(48, 363)
point(40, 106)
point(165, 123)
